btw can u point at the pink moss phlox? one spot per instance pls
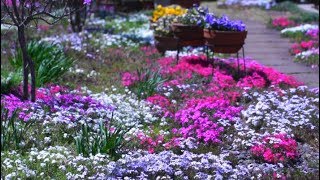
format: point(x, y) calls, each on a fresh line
point(255, 80)
point(172, 143)
point(274, 76)
point(149, 50)
point(276, 148)
point(186, 67)
point(159, 100)
point(128, 79)
point(223, 80)
point(198, 115)
point(13, 103)
point(150, 143)
point(282, 22)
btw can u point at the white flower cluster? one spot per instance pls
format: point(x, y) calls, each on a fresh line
point(301, 28)
point(80, 71)
point(36, 162)
point(131, 37)
point(186, 51)
point(129, 111)
point(281, 114)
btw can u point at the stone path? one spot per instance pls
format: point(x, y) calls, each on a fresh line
point(268, 48)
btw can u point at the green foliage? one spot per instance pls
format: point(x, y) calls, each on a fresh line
point(299, 15)
point(104, 141)
point(13, 130)
point(297, 36)
point(50, 61)
point(286, 6)
point(9, 80)
point(305, 17)
point(147, 84)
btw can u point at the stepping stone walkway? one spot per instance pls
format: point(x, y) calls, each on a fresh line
point(268, 48)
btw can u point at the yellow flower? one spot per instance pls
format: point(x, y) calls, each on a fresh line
point(169, 10)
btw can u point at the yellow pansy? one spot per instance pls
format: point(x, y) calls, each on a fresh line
point(161, 11)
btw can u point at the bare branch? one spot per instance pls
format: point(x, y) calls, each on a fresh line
point(15, 10)
point(10, 13)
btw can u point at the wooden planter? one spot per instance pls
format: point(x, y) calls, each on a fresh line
point(224, 41)
point(187, 32)
point(186, 3)
point(165, 43)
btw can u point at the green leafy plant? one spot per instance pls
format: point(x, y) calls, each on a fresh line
point(297, 36)
point(305, 17)
point(9, 80)
point(147, 84)
point(105, 140)
point(50, 61)
point(13, 130)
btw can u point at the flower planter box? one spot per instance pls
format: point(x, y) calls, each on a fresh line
point(187, 32)
point(185, 3)
point(165, 43)
point(224, 41)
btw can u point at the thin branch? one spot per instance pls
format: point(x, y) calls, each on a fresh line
point(4, 4)
point(15, 10)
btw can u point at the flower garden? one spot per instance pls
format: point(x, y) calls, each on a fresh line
point(303, 30)
point(110, 105)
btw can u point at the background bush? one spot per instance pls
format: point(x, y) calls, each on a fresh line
point(50, 61)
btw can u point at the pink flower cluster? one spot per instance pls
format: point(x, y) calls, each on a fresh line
point(150, 143)
point(198, 117)
point(282, 22)
point(276, 148)
point(162, 102)
point(274, 76)
point(186, 68)
point(12, 103)
point(159, 100)
point(128, 79)
point(297, 48)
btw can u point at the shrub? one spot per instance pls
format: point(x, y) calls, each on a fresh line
point(50, 61)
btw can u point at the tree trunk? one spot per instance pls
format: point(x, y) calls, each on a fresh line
point(27, 65)
point(22, 43)
point(77, 19)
